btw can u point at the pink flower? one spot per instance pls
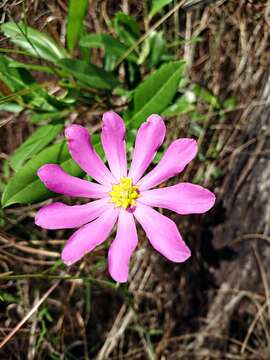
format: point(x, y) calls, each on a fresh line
point(123, 195)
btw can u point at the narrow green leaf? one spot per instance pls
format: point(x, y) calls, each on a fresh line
point(230, 103)
point(111, 45)
point(92, 41)
point(35, 143)
point(16, 79)
point(206, 96)
point(182, 105)
point(45, 116)
point(36, 43)
point(157, 6)
point(128, 23)
point(89, 74)
point(33, 67)
point(76, 14)
point(11, 107)
point(157, 91)
point(26, 188)
point(145, 51)
point(126, 28)
point(157, 48)
point(23, 87)
point(195, 129)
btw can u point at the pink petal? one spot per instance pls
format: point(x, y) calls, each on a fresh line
point(57, 180)
point(122, 247)
point(162, 233)
point(83, 153)
point(61, 216)
point(89, 236)
point(113, 141)
point(183, 198)
point(149, 138)
point(176, 157)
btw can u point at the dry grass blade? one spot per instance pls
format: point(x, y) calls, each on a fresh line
point(190, 4)
point(30, 313)
point(253, 324)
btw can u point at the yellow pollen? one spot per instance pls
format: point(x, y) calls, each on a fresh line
point(124, 194)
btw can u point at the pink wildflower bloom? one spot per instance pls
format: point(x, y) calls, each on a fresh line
point(123, 195)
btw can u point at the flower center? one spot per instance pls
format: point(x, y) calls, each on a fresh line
point(124, 194)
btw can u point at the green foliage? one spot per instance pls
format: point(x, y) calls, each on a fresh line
point(76, 13)
point(112, 46)
point(206, 96)
point(35, 143)
point(36, 118)
point(11, 107)
point(157, 48)
point(14, 78)
point(157, 91)
point(7, 297)
point(25, 187)
point(230, 103)
point(126, 28)
point(184, 104)
point(89, 74)
point(157, 6)
point(36, 43)
point(20, 84)
point(154, 50)
point(44, 317)
point(149, 79)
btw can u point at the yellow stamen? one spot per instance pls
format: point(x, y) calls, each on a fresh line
point(124, 194)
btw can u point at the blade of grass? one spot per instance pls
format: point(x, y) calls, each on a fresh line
point(145, 36)
point(76, 14)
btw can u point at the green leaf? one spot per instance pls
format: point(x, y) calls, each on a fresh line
point(157, 91)
point(126, 28)
point(76, 14)
point(41, 101)
point(18, 79)
point(111, 45)
point(196, 116)
point(195, 130)
point(157, 6)
point(230, 103)
point(128, 23)
point(89, 74)
point(15, 79)
point(45, 116)
point(35, 143)
point(157, 48)
point(206, 96)
point(33, 67)
point(23, 87)
point(36, 43)
point(26, 188)
point(11, 107)
point(145, 51)
point(8, 297)
point(182, 105)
